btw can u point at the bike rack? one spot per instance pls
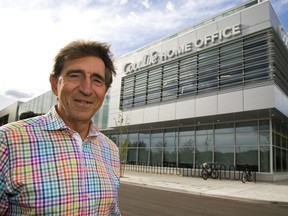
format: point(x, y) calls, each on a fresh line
point(233, 172)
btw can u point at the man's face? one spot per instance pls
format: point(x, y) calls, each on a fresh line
point(80, 89)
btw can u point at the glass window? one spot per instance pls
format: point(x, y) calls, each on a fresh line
point(143, 154)
point(186, 147)
point(277, 159)
point(224, 135)
point(170, 156)
point(224, 155)
point(170, 81)
point(204, 136)
point(170, 138)
point(157, 138)
point(133, 139)
point(144, 139)
point(132, 155)
point(156, 156)
point(265, 159)
point(264, 137)
point(246, 155)
point(187, 76)
point(256, 58)
point(140, 89)
point(185, 157)
point(246, 133)
point(154, 85)
point(224, 140)
point(186, 138)
point(203, 154)
point(144, 144)
point(264, 125)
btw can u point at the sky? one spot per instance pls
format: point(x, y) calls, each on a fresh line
point(32, 32)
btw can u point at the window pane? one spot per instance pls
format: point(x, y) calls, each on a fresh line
point(156, 157)
point(186, 157)
point(131, 156)
point(157, 139)
point(169, 157)
point(224, 140)
point(246, 133)
point(247, 155)
point(265, 159)
point(203, 154)
point(143, 154)
point(224, 155)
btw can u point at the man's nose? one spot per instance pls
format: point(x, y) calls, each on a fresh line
point(86, 86)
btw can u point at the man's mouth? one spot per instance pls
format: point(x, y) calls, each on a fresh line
point(83, 101)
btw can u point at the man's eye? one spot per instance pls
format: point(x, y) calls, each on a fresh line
point(98, 81)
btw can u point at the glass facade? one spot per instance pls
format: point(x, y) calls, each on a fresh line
point(237, 63)
point(280, 153)
point(238, 143)
point(257, 59)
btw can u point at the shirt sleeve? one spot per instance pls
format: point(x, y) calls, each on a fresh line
point(3, 171)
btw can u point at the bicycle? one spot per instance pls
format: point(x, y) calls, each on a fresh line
point(247, 175)
point(207, 172)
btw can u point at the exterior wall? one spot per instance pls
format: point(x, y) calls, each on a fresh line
point(11, 111)
point(40, 104)
point(230, 102)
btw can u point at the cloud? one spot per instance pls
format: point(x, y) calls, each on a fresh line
point(18, 94)
point(170, 6)
point(146, 3)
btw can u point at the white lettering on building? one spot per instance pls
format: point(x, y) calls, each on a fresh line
point(227, 33)
point(155, 57)
point(177, 52)
point(146, 61)
point(283, 35)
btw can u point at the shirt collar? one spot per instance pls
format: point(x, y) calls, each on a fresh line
point(53, 121)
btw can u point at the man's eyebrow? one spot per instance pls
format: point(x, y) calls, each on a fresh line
point(74, 71)
point(80, 71)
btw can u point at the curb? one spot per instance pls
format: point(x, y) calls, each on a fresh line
point(231, 197)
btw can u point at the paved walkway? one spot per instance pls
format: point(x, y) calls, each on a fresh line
point(265, 192)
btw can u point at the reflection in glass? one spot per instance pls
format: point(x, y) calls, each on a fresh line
point(246, 155)
point(265, 159)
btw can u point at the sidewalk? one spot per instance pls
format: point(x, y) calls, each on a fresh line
point(263, 192)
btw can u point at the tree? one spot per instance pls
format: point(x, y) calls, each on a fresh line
point(29, 114)
point(123, 143)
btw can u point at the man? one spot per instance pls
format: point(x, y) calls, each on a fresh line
point(59, 163)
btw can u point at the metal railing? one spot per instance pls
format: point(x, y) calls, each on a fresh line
point(227, 173)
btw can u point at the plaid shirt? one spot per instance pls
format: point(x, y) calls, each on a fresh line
point(44, 170)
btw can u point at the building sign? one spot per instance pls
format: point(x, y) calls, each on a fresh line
point(283, 35)
point(155, 57)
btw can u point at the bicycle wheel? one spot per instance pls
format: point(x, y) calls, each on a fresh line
point(214, 174)
point(205, 174)
point(250, 176)
point(244, 176)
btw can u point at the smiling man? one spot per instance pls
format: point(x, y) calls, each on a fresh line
point(59, 163)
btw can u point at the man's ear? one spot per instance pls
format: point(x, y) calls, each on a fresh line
point(54, 84)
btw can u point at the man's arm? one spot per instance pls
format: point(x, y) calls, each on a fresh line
point(3, 171)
